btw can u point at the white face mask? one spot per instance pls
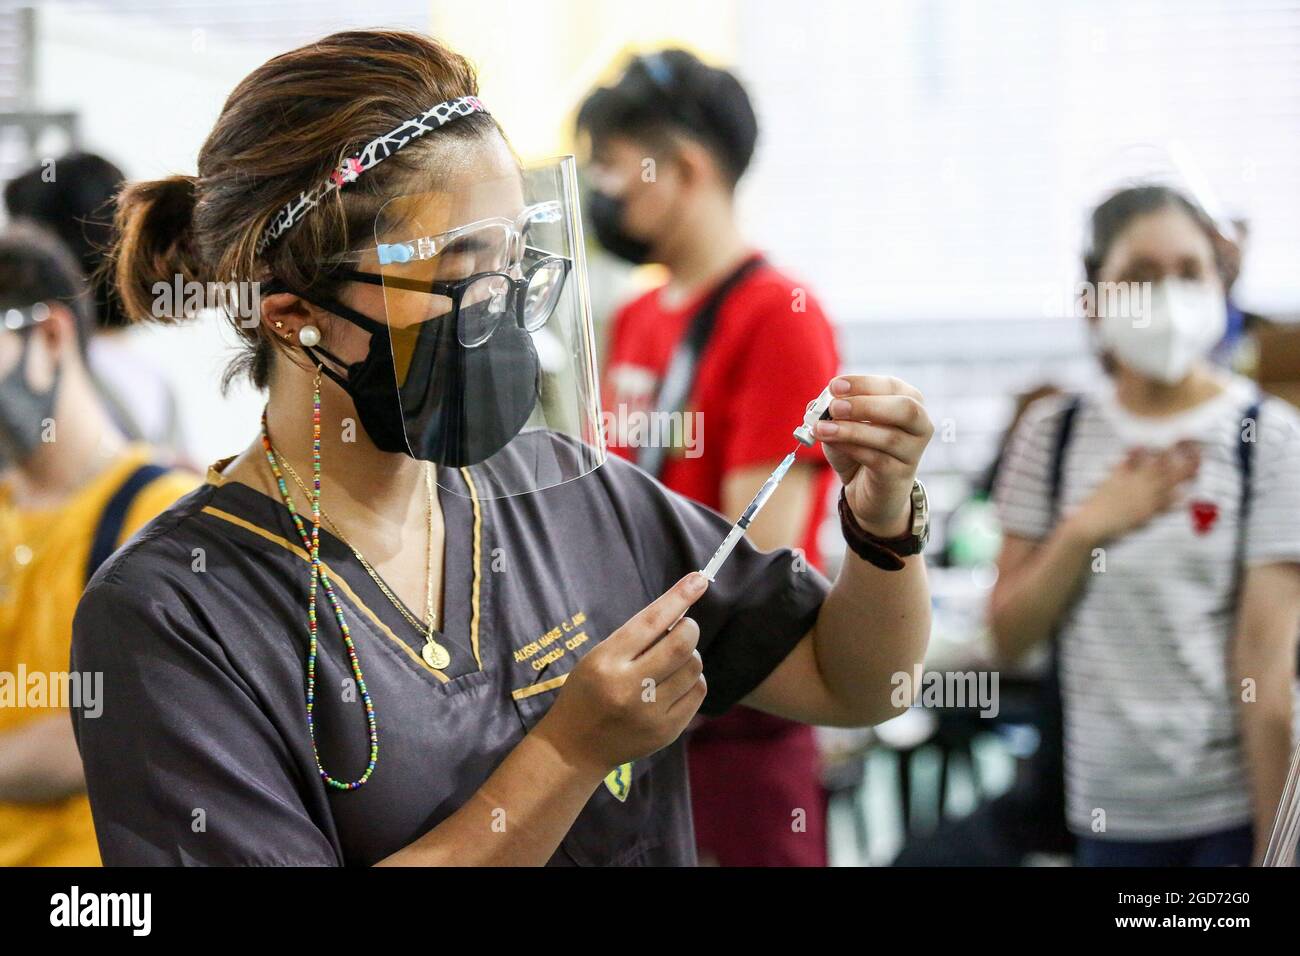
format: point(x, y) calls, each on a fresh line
point(1181, 324)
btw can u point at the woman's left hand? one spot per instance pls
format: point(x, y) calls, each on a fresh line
point(878, 430)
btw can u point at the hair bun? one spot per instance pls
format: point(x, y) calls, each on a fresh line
point(155, 243)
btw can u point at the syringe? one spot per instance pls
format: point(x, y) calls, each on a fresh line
point(743, 522)
point(818, 409)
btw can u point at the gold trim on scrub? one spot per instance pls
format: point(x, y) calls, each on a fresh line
point(215, 477)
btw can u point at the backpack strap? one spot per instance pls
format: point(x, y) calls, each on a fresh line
point(113, 517)
point(1246, 468)
point(1046, 787)
point(676, 385)
point(1062, 441)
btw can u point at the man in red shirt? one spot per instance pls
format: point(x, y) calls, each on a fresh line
point(669, 141)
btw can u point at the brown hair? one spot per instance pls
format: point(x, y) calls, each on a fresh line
point(290, 123)
point(1109, 221)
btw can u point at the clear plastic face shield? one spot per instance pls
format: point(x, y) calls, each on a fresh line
point(16, 323)
point(487, 316)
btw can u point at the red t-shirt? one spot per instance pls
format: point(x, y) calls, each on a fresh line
point(772, 351)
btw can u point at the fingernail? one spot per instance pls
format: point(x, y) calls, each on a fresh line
point(841, 408)
point(696, 583)
point(827, 428)
point(839, 386)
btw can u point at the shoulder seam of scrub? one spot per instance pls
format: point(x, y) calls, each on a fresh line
point(163, 524)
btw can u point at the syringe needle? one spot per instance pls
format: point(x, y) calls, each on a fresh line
point(818, 410)
point(742, 524)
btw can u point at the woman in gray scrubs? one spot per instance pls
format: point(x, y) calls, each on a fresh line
point(421, 620)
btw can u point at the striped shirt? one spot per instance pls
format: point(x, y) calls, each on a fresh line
point(1151, 731)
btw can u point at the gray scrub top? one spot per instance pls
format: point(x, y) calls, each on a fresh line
point(201, 754)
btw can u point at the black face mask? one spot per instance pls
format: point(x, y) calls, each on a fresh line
point(457, 406)
point(607, 217)
point(23, 412)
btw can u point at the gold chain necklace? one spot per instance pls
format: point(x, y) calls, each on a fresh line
point(435, 654)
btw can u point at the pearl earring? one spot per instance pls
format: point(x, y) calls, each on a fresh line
point(309, 336)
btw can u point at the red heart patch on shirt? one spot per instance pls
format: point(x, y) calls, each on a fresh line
point(1204, 515)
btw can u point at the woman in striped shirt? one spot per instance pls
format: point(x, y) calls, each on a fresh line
point(1152, 535)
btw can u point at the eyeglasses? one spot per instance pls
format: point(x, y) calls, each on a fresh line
point(480, 302)
point(495, 235)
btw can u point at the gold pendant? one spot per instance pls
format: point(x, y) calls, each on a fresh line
point(435, 655)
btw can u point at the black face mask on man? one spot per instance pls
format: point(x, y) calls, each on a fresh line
point(23, 410)
point(607, 218)
point(454, 405)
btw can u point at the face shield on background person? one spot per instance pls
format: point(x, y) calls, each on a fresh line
point(484, 356)
point(25, 405)
point(1164, 330)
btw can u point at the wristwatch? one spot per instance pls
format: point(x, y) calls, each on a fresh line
point(888, 553)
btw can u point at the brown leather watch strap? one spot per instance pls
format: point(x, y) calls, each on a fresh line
point(884, 553)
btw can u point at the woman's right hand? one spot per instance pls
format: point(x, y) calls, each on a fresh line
point(1142, 486)
point(635, 692)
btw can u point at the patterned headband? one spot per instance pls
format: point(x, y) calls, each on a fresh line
point(368, 157)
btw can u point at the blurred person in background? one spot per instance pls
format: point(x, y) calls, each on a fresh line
point(71, 490)
point(1152, 534)
point(749, 348)
point(75, 197)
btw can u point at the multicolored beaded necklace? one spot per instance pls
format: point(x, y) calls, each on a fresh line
point(311, 543)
